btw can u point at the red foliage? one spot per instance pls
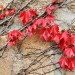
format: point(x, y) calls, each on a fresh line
point(13, 37)
point(64, 39)
point(49, 31)
point(45, 34)
point(30, 31)
point(25, 16)
point(72, 39)
point(2, 16)
point(49, 10)
point(67, 63)
point(41, 22)
point(69, 52)
point(9, 12)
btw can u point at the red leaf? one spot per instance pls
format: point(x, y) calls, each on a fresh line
point(39, 21)
point(48, 33)
point(63, 62)
point(2, 16)
point(69, 52)
point(71, 63)
point(54, 30)
point(50, 9)
point(43, 22)
point(10, 44)
point(49, 18)
point(25, 16)
point(64, 35)
point(64, 39)
point(47, 21)
point(13, 37)
point(72, 60)
point(32, 12)
point(9, 12)
point(67, 63)
point(44, 34)
point(30, 31)
point(56, 38)
point(72, 39)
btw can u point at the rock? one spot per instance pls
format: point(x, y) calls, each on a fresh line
point(71, 6)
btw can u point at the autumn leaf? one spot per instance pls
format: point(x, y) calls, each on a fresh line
point(25, 16)
point(69, 52)
point(13, 37)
